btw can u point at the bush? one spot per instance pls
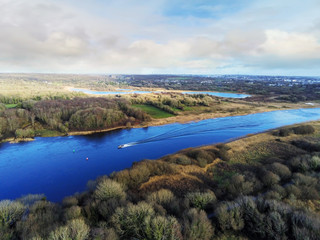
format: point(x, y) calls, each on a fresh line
point(183, 160)
point(281, 170)
point(69, 201)
point(197, 225)
point(129, 221)
point(42, 219)
point(76, 229)
point(104, 233)
point(160, 228)
point(163, 197)
point(237, 185)
point(303, 180)
point(10, 212)
point(202, 162)
point(108, 188)
point(283, 132)
point(201, 200)
point(305, 129)
point(30, 199)
point(275, 226)
point(72, 213)
point(79, 230)
point(230, 216)
point(270, 179)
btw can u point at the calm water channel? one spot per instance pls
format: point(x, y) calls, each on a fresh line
point(58, 167)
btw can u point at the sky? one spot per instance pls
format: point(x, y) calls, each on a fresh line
point(265, 37)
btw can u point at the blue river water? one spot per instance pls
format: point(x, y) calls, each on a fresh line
point(129, 91)
point(221, 94)
point(57, 166)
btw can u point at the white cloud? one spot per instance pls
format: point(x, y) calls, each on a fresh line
point(134, 36)
point(291, 45)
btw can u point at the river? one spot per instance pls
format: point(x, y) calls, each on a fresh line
point(129, 91)
point(61, 166)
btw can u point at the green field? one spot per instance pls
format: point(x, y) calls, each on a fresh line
point(10, 105)
point(153, 111)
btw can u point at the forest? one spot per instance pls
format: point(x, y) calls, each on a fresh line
point(41, 117)
point(32, 118)
point(264, 186)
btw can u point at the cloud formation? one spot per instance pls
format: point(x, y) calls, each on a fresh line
point(124, 36)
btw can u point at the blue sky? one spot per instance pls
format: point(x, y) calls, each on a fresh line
point(164, 36)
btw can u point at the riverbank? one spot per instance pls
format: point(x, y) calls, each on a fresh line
point(18, 140)
point(212, 115)
point(185, 118)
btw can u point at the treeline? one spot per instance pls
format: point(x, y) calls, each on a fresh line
point(273, 198)
point(256, 85)
point(18, 99)
point(173, 102)
point(67, 115)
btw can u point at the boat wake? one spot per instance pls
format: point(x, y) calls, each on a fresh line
point(127, 145)
point(191, 129)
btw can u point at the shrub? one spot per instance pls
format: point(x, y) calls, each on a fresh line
point(160, 228)
point(72, 213)
point(197, 225)
point(163, 197)
point(275, 226)
point(230, 216)
point(303, 180)
point(108, 188)
point(107, 208)
point(273, 195)
point(281, 170)
point(30, 199)
point(129, 221)
point(79, 230)
point(283, 132)
point(270, 179)
point(305, 129)
point(223, 152)
point(237, 185)
point(10, 212)
point(69, 201)
point(76, 229)
point(202, 162)
point(293, 190)
point(104, 233)
point(183, 160)
point(314, 163)
point(201, 200)
point(61, 233)
point(42, 219)
point(305, 226)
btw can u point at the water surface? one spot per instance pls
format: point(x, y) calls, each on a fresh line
point(129, 91)
point(50, 166)
point(221, 94)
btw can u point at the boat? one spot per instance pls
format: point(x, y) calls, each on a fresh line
point(121, 146)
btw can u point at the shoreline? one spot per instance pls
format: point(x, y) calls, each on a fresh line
point(150, 91)
point(160, 122)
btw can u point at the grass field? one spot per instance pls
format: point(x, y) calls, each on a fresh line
point(153, 111)
point(10, 105)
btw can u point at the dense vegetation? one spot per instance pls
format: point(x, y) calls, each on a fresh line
point(17, 87)
point(263, 187)
point(31, 118)
point(292, 89)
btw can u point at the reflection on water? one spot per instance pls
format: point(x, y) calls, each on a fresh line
point(220, 94)
point(59, 167)
point(130, 91)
